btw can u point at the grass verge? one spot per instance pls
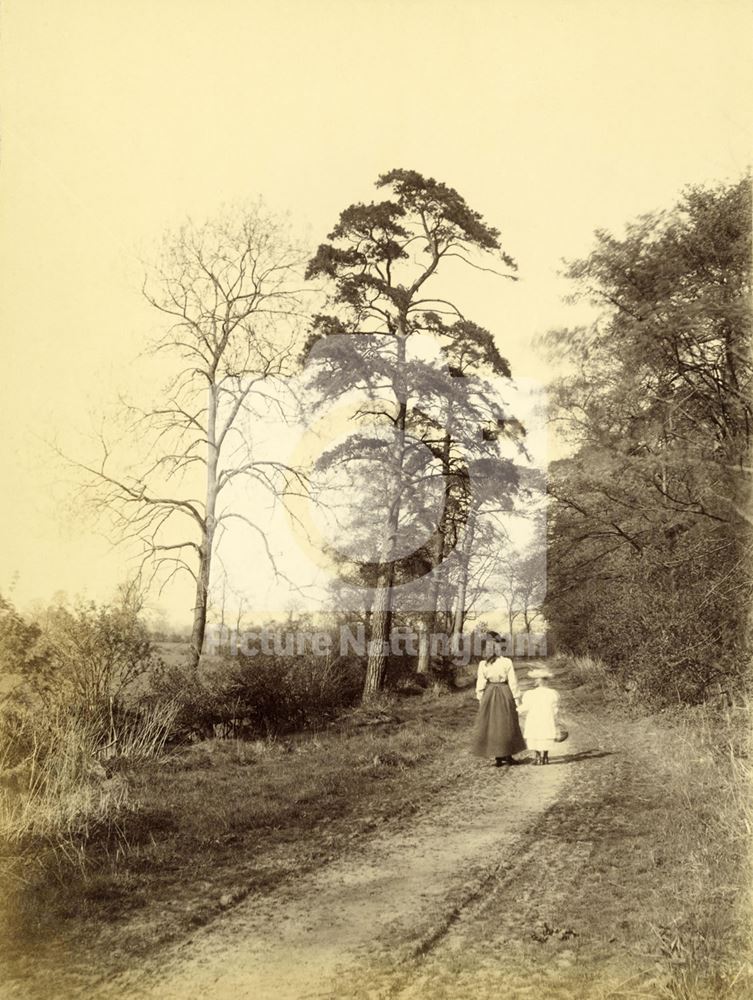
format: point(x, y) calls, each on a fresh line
point(213, 822)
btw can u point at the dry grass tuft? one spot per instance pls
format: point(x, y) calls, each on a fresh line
point(58, 787)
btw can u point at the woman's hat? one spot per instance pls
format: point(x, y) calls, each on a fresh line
point(540, 672)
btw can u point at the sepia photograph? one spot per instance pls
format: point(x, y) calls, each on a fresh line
point(376, 531)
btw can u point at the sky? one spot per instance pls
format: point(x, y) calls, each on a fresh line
point(118, 120)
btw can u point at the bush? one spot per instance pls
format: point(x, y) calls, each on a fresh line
point(67, 711)
point(277, 694)
point(95, 652)
point(200, 696)
point(261, 695)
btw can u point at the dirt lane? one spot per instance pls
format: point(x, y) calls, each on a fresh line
point(394, 899)
point(584, 880)
point(578, 881)
point(595, 899)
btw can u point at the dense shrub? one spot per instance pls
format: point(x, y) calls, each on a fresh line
point(201, 697)
point(90, 654)
point(261, 695)
point(66, 711)
point(280, 694)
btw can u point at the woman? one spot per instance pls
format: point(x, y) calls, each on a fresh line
point(497, 733)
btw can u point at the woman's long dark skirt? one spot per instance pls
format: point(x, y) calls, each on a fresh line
point(497, 732)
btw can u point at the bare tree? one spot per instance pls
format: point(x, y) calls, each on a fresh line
point(532, 585)
point(521, 583)
point(484, 534)
point(230, 294)
point(482, 539)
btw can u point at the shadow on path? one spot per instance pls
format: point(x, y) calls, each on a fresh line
point(571, 758)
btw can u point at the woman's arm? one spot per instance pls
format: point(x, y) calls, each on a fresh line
point(512, 680)
point(481, 680)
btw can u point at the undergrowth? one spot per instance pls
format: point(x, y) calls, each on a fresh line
point(213, 821)
point(703, 833)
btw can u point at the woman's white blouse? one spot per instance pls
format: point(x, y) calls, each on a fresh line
point(500, 669)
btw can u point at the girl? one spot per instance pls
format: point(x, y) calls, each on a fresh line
point(497, 733)
point(541, 708)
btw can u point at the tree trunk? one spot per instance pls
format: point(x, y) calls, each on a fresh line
point(422, 667)
point(207, 541)
point(511, 616)
point(200, 605)
point(459, 616)
point(381, 612)
point(429, 619)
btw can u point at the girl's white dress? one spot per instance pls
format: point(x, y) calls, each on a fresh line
point(540, 706)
